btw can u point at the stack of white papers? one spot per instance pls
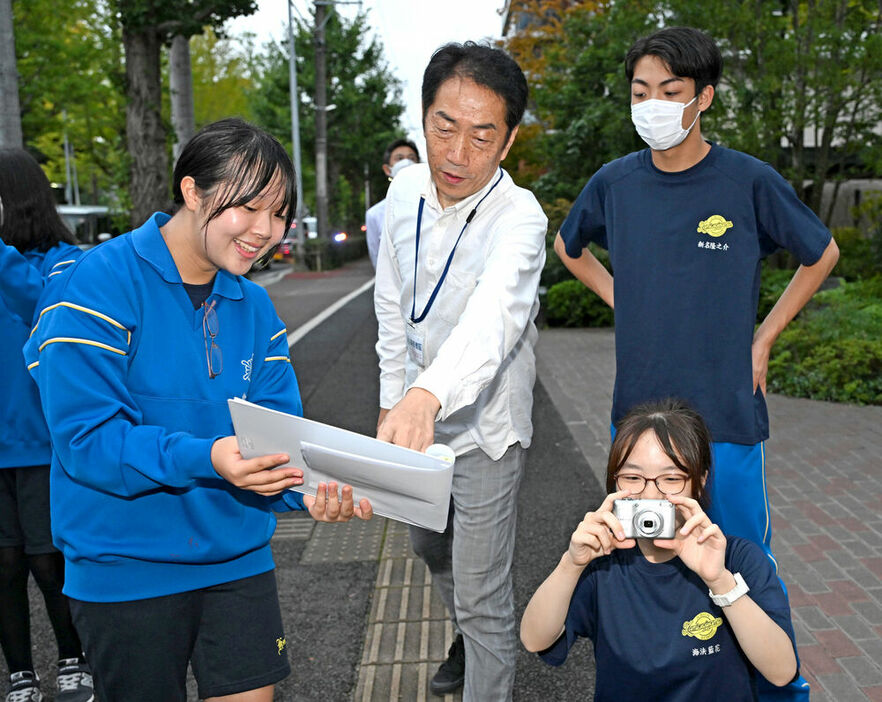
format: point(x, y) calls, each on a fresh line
point(401, 483)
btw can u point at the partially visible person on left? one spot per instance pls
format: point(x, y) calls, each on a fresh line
point(35, 248)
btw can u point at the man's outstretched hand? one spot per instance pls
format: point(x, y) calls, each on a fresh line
point(411, 422)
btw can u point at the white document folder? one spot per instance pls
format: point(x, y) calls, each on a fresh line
point(401, 483)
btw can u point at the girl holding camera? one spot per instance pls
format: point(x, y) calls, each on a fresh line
point(694, 617)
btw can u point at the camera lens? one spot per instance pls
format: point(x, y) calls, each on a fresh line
point(648, 524)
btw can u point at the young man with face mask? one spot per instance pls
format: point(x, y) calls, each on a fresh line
point(687, 223)
point(399, 154)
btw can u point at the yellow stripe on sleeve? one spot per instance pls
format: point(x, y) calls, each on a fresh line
point(276, 336)
point(74, 340)
point(80, 308)
point(277, 358)
point(33, 365)
point(62, 263)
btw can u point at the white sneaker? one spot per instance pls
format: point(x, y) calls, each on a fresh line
point(24, 686)
point(74, 681)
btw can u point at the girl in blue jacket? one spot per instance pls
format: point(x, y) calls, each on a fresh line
point(164, 526)
point(35, 247)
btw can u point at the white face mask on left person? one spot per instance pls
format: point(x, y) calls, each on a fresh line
point(660, 122)
point(400, 165)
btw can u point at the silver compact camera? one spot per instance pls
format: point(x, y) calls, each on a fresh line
point(646, 519)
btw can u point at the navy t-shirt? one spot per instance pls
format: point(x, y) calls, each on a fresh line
point(657, 635)
point(685, 249)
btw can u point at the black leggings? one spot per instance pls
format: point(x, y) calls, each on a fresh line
point(15, 620)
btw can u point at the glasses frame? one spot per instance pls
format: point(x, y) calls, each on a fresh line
point(652, 480)
point(209, 320)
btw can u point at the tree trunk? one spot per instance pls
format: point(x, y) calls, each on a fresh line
point(10, 110)
point(145, 132)
point(180, 83)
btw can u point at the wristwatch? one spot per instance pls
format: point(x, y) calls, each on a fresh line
point(728, 598)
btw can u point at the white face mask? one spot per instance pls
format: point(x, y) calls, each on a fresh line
point(400, 165)
point(660, 122)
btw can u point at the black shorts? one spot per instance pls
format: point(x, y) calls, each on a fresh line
point(24, 509)
point(230, 633)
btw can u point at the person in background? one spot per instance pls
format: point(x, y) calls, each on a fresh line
point(400, 153)
point(693, 617)
point(35, 248)
point(687, 223)
point(164, 526)
point(456, 296)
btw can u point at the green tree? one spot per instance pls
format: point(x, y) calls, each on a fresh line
point(146, 26)
point(367, 114)
point(572, 54)
point(800, 86)
point(86, 104)
point(216, 81)
point(220, 78)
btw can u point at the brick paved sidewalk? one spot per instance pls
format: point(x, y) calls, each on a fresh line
point(824, 473)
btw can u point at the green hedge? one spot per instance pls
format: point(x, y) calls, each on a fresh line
point(571, 304)
point(833, 350)
point(773, 281)
point(858, 254)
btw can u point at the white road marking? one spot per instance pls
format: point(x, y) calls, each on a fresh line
point(304, 329)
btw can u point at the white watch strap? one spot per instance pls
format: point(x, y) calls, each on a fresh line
point(728, 598)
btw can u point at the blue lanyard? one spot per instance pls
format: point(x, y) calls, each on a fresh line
point(416, 258)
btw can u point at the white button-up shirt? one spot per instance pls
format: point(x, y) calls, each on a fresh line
point(479, 334)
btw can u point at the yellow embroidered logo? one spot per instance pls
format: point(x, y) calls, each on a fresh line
point(281, 643)
point(715, 225)
point(702, 626)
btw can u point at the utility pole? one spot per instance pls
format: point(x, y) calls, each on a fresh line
point(300, 257)
point(321, 122)
point(72, 186)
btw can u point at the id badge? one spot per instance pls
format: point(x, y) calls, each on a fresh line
point(416, 339)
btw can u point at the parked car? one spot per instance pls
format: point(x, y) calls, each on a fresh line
point(287, 247)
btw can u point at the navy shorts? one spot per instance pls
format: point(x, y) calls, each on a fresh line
point(231, 634)
point(24, 509)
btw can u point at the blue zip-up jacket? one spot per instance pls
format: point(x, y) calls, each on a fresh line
point(119, 355)
point(24, 438)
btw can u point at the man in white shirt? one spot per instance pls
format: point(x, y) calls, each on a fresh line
point(399, 154)
point(456, 299)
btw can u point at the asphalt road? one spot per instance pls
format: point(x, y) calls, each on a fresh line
point(336, 368)
point(326, 605)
